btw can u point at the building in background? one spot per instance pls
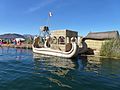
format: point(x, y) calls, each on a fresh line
point(94, 40)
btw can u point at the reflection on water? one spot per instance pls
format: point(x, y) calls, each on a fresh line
point(93, 64)
point(55, 65)
point(81, 70)
point(7, 53)
point(103, 66)
point(21, 69)
point(61, 66)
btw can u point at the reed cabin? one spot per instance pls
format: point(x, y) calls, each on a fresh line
point(61, 39)
point(94, 40)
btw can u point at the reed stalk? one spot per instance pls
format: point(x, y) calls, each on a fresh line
point(111, 48)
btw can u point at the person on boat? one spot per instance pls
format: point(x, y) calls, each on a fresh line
point(36, 41)
point(47, 42)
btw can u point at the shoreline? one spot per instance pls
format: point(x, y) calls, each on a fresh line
point(101, 56)
point(23, 46)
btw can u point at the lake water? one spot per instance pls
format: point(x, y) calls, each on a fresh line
point(20, 69)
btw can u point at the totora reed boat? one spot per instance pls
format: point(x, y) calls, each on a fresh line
point(48, 51)
point(60, 43)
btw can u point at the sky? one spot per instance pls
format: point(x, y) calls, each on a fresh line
point(83, 16)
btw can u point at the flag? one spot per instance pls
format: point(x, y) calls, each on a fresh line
point(50, 14)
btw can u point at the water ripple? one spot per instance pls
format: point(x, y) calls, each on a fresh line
point(21, 69)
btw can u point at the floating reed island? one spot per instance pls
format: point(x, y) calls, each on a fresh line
point(16, 41)
point(23, 46)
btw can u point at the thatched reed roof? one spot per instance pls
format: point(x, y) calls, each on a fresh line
point(102, 35)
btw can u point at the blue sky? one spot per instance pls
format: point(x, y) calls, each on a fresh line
point(84, 16)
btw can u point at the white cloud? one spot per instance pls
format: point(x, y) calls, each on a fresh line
point(33, 9)
point(41, 5)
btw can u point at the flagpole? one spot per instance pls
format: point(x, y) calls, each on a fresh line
point(48, 20)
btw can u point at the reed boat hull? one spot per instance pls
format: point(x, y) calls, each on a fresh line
point(48, 51)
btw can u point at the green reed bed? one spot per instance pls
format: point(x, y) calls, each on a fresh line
point(111, 48)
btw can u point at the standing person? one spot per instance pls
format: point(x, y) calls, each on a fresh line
point(20, 42)
point(0, 43)
point(14, 42)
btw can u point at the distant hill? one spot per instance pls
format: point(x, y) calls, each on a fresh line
point(11, 36)
point(28, 36)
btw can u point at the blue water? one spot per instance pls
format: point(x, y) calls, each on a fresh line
point(20, 69)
